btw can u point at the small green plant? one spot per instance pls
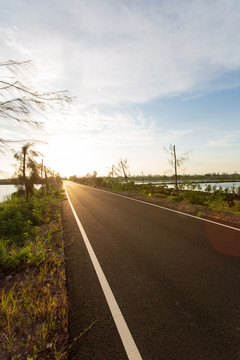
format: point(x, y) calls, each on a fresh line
point(173, 198)
point(35, 351)
point(37, 303)
point(10, 334)
point(237, 206)
point(59, 353)
point(158, 195)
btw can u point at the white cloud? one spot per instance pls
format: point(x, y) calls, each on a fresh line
point(139, 52)
point(113, 55)
point(227, 140)
point(135, 51)
point(104, 129)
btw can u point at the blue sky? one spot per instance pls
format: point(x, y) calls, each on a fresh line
point(145, 74)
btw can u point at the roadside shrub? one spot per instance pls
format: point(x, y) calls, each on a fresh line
point(144, 191)
point(107, 183)
point(131, 186)
point(163, 196)
point(57, 194)
point(118, 186)
point(180, 197)
point(163, 189)
point(15, 220)
point(195, 198)
point(18, 216)
point(99, 181)
point(218, 195)
point(173, 198)
point(176, 197)
point(237, 206)
point(21, 238)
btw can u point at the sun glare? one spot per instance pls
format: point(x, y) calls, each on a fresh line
point(68, 158)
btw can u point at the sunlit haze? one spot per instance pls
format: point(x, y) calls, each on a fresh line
point(143, 74)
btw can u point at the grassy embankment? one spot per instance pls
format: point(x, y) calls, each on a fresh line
point(33, 307)
point(223, 204)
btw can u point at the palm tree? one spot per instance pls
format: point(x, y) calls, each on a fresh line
point(28, 168)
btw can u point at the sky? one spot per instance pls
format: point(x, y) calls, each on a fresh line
point(143, 75)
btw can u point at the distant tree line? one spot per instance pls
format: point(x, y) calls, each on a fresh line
point(210, 177)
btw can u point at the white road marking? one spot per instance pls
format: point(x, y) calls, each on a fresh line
point(168, 209)
point(124, 332)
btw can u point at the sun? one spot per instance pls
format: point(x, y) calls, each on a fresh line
point(70, 158)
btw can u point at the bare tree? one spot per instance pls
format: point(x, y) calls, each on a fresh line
point(175, 162)
point(123, 167)
point(113, 172)
point(18, 102)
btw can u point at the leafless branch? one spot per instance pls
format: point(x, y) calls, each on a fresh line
point(18, 103)
point(175, 161)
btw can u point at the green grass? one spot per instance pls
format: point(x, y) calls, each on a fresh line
point(22, 236)
point(33, 305)
point(159, 195)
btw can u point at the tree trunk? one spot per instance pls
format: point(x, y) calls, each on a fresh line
point(24, 172)
point(46, 179)
point(175, 168)
point(42, 181)
point(126, 178)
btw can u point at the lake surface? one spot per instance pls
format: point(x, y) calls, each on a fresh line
point(223, 185)
point(6, 190)
point(203, 185)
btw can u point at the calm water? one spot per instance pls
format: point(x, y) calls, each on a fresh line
point(224, 185)
point(6, 190)
point(202, 184)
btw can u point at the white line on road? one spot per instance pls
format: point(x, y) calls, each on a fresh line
point(124, 332)
point(168, 209)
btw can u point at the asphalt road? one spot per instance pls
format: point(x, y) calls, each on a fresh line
point(175, 278)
